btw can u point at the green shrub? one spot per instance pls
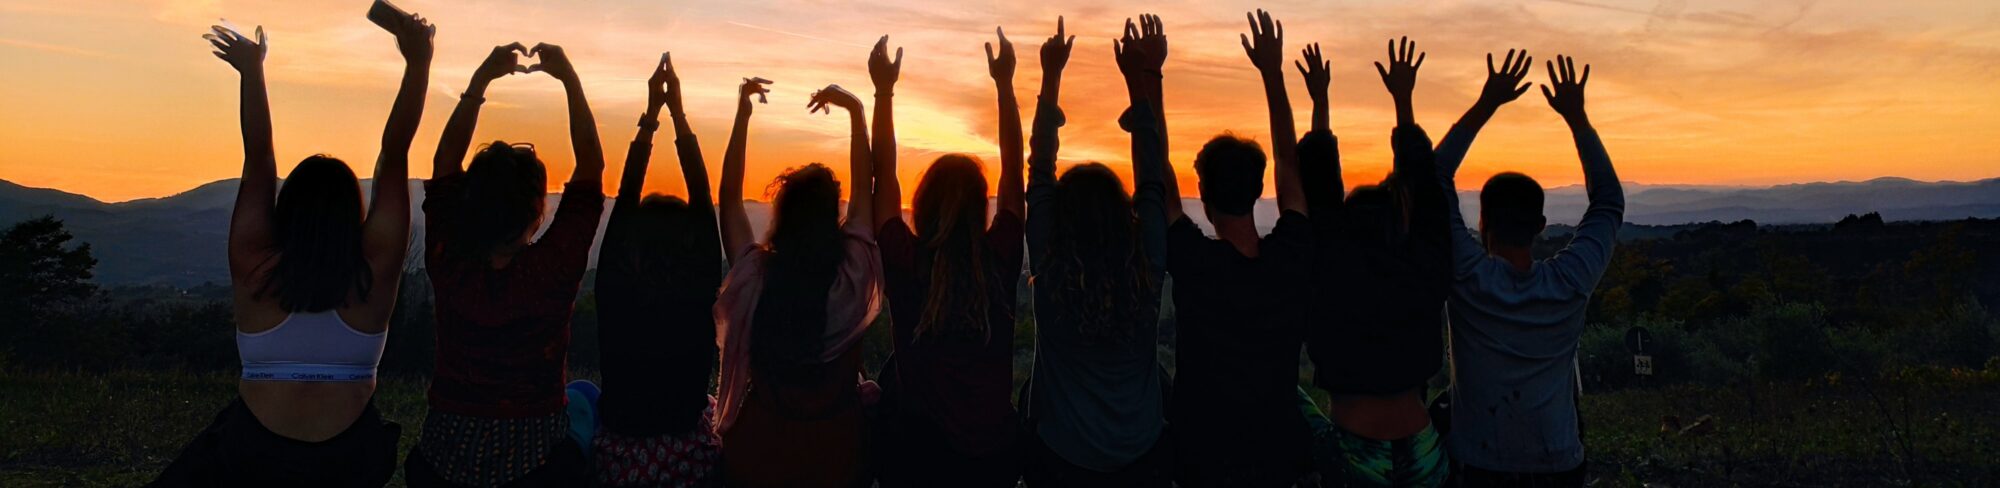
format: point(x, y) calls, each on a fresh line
point(1794, 341)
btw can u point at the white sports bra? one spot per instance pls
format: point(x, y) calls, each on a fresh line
point(310, 346)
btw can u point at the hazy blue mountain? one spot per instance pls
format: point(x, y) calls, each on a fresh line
point(181, 239)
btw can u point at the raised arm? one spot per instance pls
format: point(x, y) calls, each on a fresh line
point(251, 232)
point(386, 233)
point(1145, 44)
point(1009, 196)
point(861, 161)
point(1589, 252)
point(1318, 74)
point(1401, 78)
point(1268, 54)
point(450, 159)
point(887, 198)
point(1504, 83)
point(1319, 150)
point(735, 223)
point(1140, 54)
point(632, 182)
point(582, 124)
point(1045, 142)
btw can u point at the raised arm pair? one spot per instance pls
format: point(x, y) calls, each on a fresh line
point(386, 229)
point(888, 188)
point(860, 218)
point(503, 61)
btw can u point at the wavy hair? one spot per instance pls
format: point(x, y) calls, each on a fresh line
point(1095, 264)
point(950, 219)
point(804, 246)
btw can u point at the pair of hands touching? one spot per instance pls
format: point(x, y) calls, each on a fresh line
point(506, 60)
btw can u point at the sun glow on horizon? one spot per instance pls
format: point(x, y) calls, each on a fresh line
point(119, 99)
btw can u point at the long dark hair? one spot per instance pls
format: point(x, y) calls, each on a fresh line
point(804, 246)
point(318, 235)
point(660, 247)
point(506, 187)
point(950, 218)
point(1094, 259)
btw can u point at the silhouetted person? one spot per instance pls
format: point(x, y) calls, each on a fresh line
point(1238, 299)
point(658, 271)
point(1386, 260)
point(951, 283)
point(1515, 321)
point(504, 298)
point(314, 276)
point(791, 316)
point(1095, 405)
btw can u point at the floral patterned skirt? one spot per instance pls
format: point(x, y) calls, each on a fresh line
point(683, 460)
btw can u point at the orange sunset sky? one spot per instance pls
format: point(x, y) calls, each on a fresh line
point(120, 99)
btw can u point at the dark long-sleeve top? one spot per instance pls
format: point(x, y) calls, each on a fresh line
point(503, 334)
point(656, 333)
point(1097, 404)
point(1382, 330)
point(1514, 335)
point(963, 385)
point(1240, 327)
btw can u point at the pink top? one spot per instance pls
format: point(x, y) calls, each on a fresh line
point(851, 304)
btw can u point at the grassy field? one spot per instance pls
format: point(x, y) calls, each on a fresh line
point(1926, 427)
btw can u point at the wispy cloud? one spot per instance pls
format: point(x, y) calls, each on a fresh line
point(53, 48)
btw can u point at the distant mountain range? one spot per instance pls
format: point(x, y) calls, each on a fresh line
point(181, 239)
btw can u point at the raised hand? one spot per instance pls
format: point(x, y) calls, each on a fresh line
point(1268, 50)
point(881, 69)
point(242, 53)
point(1055, 51)
point(1143, 50)
point(504, 60)
point(833, 96)
point(753, 86)
point(1506, 82)
point(1001, 67)
point(1567, 98)
point(554, 62)
point(1401, 74)
point(1317, 71)
point(1153, 41)
point(664, 87)
point(414, 36)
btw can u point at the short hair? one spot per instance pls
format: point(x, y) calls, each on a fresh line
point(1232, 174)
point(1510, 209)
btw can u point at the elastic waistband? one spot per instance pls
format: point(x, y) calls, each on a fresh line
point(307, 372)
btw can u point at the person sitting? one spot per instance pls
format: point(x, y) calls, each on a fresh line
point(791, 315)
point(1095, 408)
point(504, 299)
point(1516, 320)
point(658, 271)
point(951, 285)
point(315, 277)
point(1238, 299)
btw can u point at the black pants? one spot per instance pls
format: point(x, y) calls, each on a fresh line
point(237, 450)
point(1469, 477)
point(564, 467)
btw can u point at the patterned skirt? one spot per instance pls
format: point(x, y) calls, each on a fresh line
point(479, 451)
point(684, 460)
